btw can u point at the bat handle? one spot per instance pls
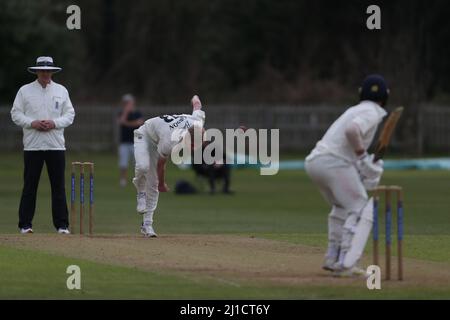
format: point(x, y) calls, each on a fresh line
point(379, 154)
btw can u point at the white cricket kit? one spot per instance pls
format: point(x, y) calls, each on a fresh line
point(331, 166)
point(168, 130)
point(156, 138)
point(33, 102)
point(367, 115)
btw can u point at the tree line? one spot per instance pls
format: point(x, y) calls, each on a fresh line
point(230, 51)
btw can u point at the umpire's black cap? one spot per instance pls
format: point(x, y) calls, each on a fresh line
point(374, 88)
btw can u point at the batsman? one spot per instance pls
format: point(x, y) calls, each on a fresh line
point(153, 144)
point(343, 170)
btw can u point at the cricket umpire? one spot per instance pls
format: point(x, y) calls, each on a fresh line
point(43, 109)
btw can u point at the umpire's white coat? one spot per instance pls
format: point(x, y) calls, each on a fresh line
point(33, 102)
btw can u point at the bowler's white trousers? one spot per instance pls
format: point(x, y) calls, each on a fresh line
point(340, 185)
point(146, 176)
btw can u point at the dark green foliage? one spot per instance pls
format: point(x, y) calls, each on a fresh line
point(289, 51)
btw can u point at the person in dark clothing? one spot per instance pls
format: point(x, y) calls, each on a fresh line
point(214, 172)
point(129, 119)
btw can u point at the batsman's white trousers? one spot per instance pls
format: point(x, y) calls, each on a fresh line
point(146, 177)
point(340, 185)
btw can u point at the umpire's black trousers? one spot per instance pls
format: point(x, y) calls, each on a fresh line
point(55, 162)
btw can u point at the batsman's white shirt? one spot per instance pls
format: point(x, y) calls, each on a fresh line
point(33, 102)
point(367, 115)
point(167, 131)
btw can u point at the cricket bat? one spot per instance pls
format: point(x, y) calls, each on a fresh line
point(386, 133)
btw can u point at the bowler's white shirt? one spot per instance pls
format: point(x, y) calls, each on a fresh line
point(167, 131)
point(33, 102)
point(367, 115)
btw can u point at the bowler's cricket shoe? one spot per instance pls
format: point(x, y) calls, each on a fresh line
point(63, 231)
point(26, 230)
point(329, 264)
point(141, 202)
point(147, 231)
point(353, 272)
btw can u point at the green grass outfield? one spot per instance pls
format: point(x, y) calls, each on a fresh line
point(285, 208)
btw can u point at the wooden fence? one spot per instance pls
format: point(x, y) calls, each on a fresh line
point(95, 127)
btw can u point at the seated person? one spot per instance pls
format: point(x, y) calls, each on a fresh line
point(214, 172)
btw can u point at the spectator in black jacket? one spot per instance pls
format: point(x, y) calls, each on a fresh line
point(214, 172)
